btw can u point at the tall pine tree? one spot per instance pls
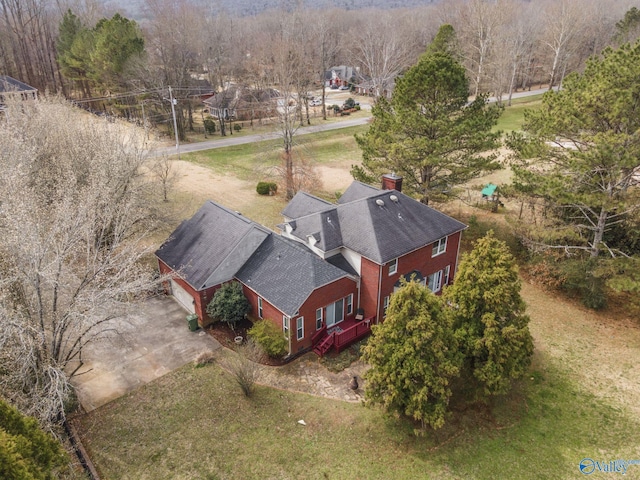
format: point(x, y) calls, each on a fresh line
point(489, 316)
point(413, 357)
point(429, 132)
point(580, 155)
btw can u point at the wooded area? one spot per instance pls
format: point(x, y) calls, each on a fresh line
point(504, 45)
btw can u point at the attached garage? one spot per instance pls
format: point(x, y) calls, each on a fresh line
point(183, 297)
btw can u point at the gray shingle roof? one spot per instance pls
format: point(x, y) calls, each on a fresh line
point(211, 246)
point(342, 263)
point(285, 273)
point(380, 232)
point(304, 204)
point(10, 84)
point(323, 226)
point(356, 191)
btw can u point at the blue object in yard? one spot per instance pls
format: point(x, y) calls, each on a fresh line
point(489, 190)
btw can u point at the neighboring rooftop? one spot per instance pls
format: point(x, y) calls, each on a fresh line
point(10, 84)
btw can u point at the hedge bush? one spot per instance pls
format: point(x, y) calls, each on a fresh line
point(229, 304)
point(266, 188)
point(269, 337)
point(26, 451)
point(209, 126)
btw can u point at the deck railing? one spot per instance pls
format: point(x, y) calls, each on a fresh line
point(319, 335)
point(352, 334)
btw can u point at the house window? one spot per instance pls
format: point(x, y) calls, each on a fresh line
point(393, 266)
point(285, 326)
point(385, 305)
point(259, 307)
point(335, 312)
point(439, 247)
point(300, 328)
point(447, 270)
point(350, 304)
point(434, 281)
point(318, 319)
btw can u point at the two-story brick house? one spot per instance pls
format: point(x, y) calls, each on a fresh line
point(329, 274)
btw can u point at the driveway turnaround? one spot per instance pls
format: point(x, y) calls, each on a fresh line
point(152, 341)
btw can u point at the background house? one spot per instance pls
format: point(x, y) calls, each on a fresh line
point(339, 76)
point(243, 103)
point(330, 273)
point(10, 87)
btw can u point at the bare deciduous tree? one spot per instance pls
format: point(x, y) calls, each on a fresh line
point(165, 173)
point(477, 24)
point(563, 22)
point(381, 50)
point(27, 52)
point(514, 43)
point(73, 213)
point(245, 366)
point(327, 43)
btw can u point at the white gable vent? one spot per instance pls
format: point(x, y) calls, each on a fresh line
point(380, 202)
point(393, 198)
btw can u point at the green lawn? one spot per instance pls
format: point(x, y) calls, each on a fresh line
point(513, 116)
point(195, 423)
point(324, 148)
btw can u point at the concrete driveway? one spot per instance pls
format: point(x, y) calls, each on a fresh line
point(152, 341)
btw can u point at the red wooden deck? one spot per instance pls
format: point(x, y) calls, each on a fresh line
point(341, 336)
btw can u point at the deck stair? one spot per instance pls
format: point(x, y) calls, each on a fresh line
point(325, 345)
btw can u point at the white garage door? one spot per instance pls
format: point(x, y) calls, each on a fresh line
point(183, 297)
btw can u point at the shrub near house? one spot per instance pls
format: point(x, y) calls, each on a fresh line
point(269, 337)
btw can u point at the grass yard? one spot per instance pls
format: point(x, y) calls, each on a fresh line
point(513, 116)
point(245, 161)
point(195, 423)
point(581, 398)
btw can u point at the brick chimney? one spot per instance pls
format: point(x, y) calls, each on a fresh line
point(391, 181)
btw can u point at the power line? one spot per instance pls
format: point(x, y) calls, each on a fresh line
point(140, 92)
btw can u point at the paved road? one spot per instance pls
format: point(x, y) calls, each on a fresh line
point(237, 140)
point(240, 140)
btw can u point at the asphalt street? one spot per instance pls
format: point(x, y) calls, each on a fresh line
point(231, 140)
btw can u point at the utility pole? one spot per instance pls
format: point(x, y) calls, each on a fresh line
point(144, 123)
point(175, 124)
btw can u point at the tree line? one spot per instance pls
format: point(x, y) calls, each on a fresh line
point(83, 51)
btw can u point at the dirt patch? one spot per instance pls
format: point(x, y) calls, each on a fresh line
point(202, 183)
point(334, 179)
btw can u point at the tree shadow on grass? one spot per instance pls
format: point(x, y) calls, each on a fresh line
point(542, 429)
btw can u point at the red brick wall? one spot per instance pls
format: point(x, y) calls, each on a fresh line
point(201, 297)
point(420, 260)
point(369, 279)
point(320, 298)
